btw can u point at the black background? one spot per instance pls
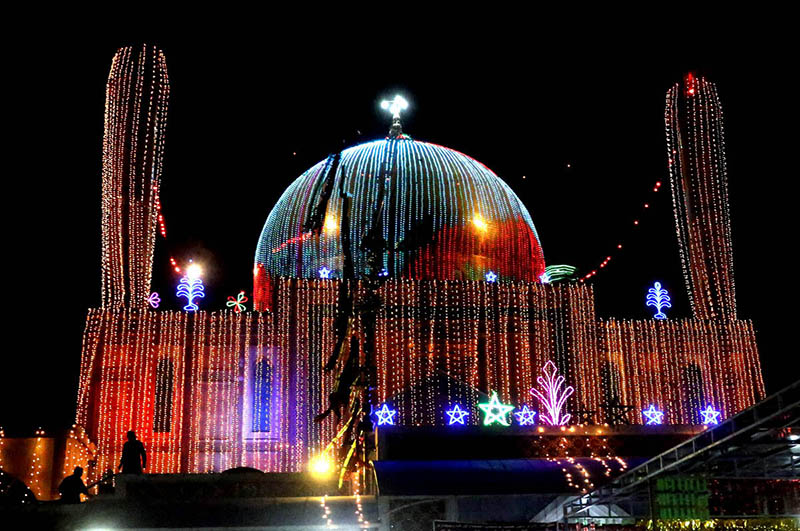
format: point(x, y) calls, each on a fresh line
point(251, 110)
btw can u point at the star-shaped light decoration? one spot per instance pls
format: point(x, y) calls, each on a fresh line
point(491, 276)
point(324, 272)
point(495, 411)
point(653, 415)
point(153, 300)
point(386, 416)
point(237, 303)
point(456, 415)
point(525, 416)
point(710, 415)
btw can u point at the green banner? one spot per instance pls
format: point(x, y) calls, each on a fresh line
point(681, 497)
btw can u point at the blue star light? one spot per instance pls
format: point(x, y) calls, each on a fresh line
point(324, 272)
point(710, 415)
point(653, 415)
point(456, 415)
point(386, 416)
point(525, 416)
point(491, 276)
point(495, 411)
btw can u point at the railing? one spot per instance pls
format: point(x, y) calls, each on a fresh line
point(744, 421)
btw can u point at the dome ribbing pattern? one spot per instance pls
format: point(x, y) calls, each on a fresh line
point(446, 216)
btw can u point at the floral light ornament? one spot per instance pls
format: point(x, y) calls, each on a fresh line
point(237, 303)
point(153, 300)
point(552, 397)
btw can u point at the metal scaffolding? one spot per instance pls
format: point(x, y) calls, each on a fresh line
point(761, 442)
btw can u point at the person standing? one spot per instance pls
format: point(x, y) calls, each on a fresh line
point(134, 458)
point(72, 487)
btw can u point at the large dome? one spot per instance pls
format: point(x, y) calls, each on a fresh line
point(446, 217)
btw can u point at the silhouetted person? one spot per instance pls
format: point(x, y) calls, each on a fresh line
point(106, 483)
point(72, 487)
point(134, 459)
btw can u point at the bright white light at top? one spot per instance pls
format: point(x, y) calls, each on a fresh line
point(194, 271)
point(396, 105)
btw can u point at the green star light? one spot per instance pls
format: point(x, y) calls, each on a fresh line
point(495, 411)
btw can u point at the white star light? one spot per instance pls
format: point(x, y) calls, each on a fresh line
point(491, 276)
point(456, 415)
point(525, 417)
point(653, 415)
point(495, 411)
point(386, 416)
point(324, 272)
point(710, 415)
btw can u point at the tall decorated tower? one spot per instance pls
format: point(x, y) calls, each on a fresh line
point(135, 120)
point(698, 173)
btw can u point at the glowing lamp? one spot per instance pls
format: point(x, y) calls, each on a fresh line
point(194, 271)
point(331, 225)
point(480, 223)
point(321, 466)
point(399, 103)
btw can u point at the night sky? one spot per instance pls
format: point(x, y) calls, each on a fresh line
point(581, 120)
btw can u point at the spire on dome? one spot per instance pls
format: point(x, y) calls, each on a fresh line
point(395, 106)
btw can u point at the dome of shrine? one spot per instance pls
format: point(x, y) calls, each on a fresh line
point(445, 216)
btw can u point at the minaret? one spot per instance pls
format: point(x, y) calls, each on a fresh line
point(137, 93)
point(698, 173)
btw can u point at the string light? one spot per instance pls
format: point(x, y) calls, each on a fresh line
point(699, 178)
point(672, 363)
point(604, 263)
point(137, 93)
point(453, 218)
point(254, 380)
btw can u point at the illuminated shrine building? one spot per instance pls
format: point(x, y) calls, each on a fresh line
point(212, 390)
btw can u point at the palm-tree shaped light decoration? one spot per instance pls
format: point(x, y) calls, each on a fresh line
point(658, 298)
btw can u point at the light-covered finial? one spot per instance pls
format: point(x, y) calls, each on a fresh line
point(395, 106)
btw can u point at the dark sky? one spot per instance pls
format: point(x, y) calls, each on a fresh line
point(242, 106)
